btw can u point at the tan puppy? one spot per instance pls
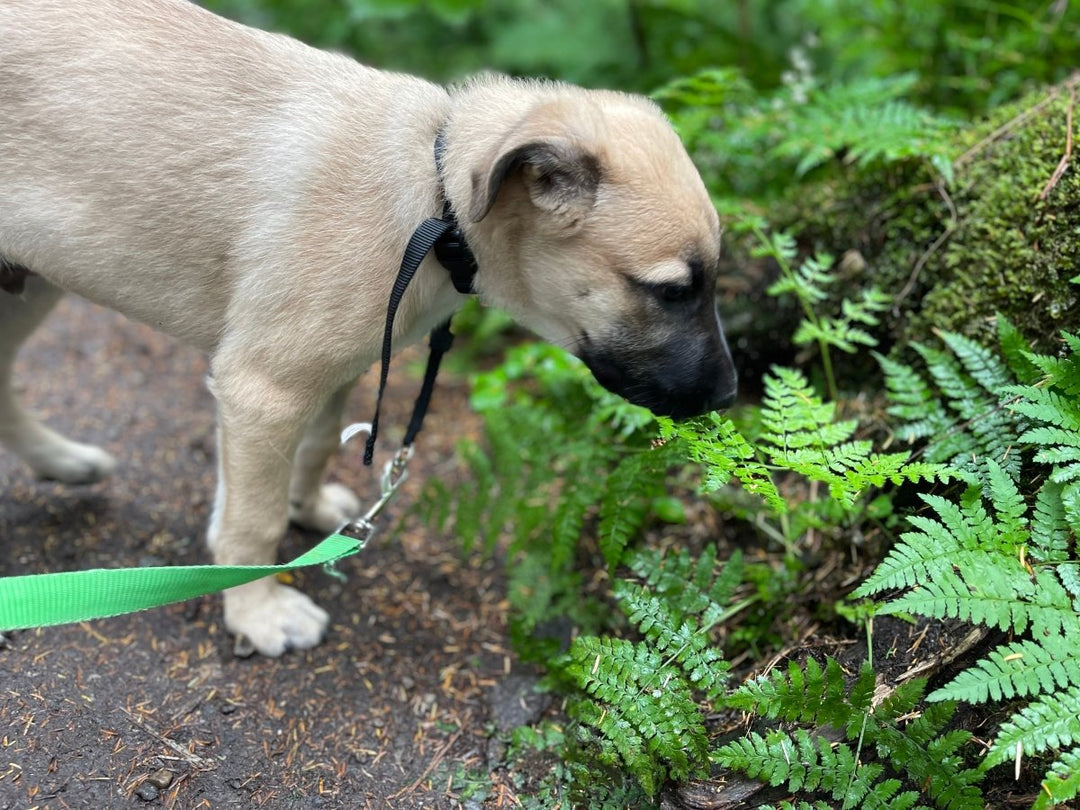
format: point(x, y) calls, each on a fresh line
point(253, 197)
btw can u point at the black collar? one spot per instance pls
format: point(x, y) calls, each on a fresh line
point(451, 249)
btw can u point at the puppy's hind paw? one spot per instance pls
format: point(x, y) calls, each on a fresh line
point(71, 462)
point(332, 506)
point(271, 618)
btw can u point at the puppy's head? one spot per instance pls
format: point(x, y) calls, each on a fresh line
point(593, 228)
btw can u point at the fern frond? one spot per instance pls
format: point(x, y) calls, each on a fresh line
point(677, 638)
point(631, 487)
point(1015, 349)
point(628, 684)
point(1050, 536)
point(1053, 721)
point(1020, 669)
point(989, 430)
point(1011, 526)
point(1062, 372)
point(930, 757)
point(793, 415)
point(714, 442)
point(1062, 781)
point(994, 592)
point(807, 694)
point(979, 362)
point(808, 281)
point(803, 762)
point(934, 553)
point(922, 413)
point(1046, 405)
point(692, 587)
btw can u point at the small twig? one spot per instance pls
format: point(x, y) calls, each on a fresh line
point(1064, 162)
point(431, 766)
point(930, 251)
point(183, 753)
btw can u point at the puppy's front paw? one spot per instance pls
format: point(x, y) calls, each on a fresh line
point(70, 462)
point(273, 617)
point(327, 510)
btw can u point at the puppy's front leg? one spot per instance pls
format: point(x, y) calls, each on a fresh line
point(313, 504)
point(261, 423)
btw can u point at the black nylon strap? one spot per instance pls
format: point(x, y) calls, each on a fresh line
point(445, 237)
point(422, 240)
point(439, 343)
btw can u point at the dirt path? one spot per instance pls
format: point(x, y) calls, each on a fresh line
point(154, 709)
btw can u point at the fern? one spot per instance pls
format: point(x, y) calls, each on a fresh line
point(968, 561)
point(962, 412)
point(807, 763)
point(1062, 781)
point(809, 281)
point(1020, 669)
point(715, 443)
point(691, 587)
point(637, 698)
point(630, 490)
point(865, 120)
point(677, 637)
point(816, 696)
point(1053, 721)
point(801, 434)
point(638, 704)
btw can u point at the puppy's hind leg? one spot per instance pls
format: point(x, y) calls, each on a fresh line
point(313, 504)
point(48, 453)
point(261, 423)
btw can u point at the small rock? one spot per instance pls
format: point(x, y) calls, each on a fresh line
point(147, 792)
point(161, 778)
point(228, 708)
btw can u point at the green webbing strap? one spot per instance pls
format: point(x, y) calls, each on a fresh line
point(39, 600)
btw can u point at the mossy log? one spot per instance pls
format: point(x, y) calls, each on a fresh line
point(1002, 236)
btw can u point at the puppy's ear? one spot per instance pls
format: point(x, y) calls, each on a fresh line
point(560, 176)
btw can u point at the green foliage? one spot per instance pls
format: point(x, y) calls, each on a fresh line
point(635, 700)
point(801, 434)
point(756, 145)
point(970, 561)
point(920, 750)
point(962, 411)
point(538, 494)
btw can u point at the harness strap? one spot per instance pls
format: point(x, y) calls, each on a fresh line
point(445, 237)
point(422, 240)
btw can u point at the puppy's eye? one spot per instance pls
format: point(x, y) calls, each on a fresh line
point(674, 293)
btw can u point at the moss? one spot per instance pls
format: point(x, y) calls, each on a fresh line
point(988, 243)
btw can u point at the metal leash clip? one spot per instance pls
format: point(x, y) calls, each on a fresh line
point(394, 475)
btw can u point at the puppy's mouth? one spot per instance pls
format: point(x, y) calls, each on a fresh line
point(669, 381)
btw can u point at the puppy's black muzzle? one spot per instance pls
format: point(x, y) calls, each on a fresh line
point(682, 377)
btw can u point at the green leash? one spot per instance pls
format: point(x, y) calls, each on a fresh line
point(40, 600)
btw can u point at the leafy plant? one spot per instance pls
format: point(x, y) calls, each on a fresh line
point(757, 145)
point(885, 747)
point(993, 559)
point(635, 700)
